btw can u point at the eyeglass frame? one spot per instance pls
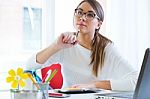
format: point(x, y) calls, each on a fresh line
point(85, 13)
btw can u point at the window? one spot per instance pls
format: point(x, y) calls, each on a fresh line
point(21, 33)
point(32, 32)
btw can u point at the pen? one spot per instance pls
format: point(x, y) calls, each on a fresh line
point(46, 76)
point(52, 75)
point(77, 33)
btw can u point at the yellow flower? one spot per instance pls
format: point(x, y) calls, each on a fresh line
point(17, 78)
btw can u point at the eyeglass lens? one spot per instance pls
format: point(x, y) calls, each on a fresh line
point(88, 15)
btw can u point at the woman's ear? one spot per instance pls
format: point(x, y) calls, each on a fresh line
point(99, 24)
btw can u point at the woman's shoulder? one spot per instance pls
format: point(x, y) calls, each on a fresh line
point(111, 49)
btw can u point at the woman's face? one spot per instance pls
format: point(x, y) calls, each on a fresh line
point(85, 19)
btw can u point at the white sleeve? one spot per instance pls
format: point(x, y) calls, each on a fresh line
point(125, 83)
point(31, 64)
point(123, 76)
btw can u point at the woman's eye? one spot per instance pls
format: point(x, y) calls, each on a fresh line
point(90, 15)
point(80, 12)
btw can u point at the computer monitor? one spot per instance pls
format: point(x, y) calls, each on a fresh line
point(143, 85)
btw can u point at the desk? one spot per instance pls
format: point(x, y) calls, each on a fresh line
point(5, 94)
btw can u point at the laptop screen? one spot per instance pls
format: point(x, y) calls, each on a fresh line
point(143, 84)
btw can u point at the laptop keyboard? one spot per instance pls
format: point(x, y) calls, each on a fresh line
point(116, 95)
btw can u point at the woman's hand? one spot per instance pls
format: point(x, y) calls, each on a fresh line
point(66, 40)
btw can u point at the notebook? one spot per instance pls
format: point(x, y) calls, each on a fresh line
point(143, 84)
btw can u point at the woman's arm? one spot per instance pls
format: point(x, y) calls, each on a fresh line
point(44, 55)
point(105, 84)
point(65, 40)
point(122, 75)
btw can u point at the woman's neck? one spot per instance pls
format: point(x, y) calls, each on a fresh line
point(85, 40)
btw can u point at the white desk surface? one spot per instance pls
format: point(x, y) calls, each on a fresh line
point(5, 94)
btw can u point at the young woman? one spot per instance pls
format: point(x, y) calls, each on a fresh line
point(88, 59)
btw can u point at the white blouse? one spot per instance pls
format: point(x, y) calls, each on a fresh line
point(76, 69)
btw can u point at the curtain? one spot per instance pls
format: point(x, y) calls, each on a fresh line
point(128, 26)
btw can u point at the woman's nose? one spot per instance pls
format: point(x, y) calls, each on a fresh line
point(83, 17)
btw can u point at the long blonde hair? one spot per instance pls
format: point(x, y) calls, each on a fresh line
point(97, 52)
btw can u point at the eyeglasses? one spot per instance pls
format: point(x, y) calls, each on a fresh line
point(90, 15)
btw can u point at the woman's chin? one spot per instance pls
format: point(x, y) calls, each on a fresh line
point(81, 29)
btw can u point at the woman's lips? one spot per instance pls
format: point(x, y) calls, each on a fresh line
point(80, 24)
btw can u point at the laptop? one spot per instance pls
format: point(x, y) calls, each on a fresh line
point(143, 84)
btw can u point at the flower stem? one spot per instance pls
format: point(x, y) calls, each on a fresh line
point(18, 87)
